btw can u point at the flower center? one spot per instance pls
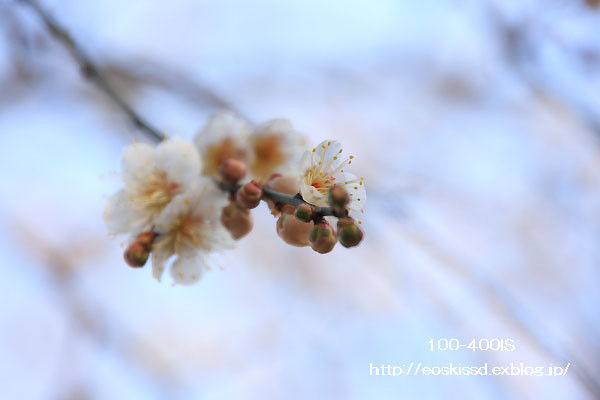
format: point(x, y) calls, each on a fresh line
point(268, 155)
point(319, 180)
point(188, 231)
point(156, 192)
point(220, 151)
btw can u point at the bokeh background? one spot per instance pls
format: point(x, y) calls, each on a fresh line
point(475, 123)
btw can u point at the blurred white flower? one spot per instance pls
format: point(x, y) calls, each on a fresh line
point(322, 168)
point(275, 147)
point(190, 228)
point(224, 136)
point(152, 177)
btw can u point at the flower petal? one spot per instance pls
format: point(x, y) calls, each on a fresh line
point(179, 159)
point(327, 150)
point(311, 195)
point(187, 270)
point(137, 162)
point(221, 125)
point(160, 255)
point(356, 188)
point(120, 217)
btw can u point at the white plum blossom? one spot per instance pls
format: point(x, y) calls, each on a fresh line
point(152, 177)
point(322, 168)
point(190, 228)
point(224, 136)
point(275, 147)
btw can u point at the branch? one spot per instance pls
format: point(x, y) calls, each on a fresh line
point(295, 201)
point(283, 198)
point(92, 72)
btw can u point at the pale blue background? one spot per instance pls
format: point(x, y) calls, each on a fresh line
point(481, 159)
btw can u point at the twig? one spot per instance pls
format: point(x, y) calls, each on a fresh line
point(166, 77)
point(295, 201)
point(283, 198)
point(92, 72)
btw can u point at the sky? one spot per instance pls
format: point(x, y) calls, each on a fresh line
point(474, 123)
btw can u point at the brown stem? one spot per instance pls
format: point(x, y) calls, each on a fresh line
point(283, 198)
point(92, 72)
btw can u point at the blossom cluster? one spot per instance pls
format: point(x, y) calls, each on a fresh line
point(182, 202)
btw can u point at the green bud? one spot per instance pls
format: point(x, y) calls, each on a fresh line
point(349, 234)
point(322, 238)
point(304, 212)
point(338, 197)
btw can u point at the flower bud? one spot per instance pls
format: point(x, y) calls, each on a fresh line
point(293, 231)
point(237, 220)
point(338, 198)
point(232, 169)
point(349, 234)
point(322, 238)
point(287, 184)
point(146, 238)
point(249, 195)
point(304, 212)
point(136, 254)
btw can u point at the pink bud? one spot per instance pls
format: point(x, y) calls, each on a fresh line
point(349, 234)
point(249, 195)
point(322, 238)
point(292, 230)
point(237, 220)
point(232, 169)
point(287, 184)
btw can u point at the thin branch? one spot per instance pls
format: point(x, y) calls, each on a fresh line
point(148, 71)
point(92, 72)
point(295, 201)
point(283, 198)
